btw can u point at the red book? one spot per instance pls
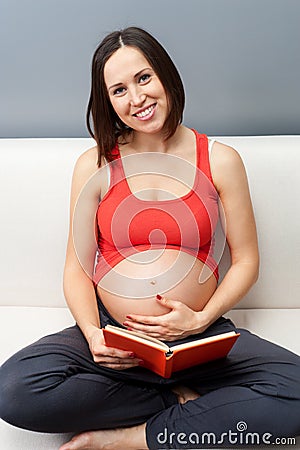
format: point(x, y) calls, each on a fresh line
point(164, 360)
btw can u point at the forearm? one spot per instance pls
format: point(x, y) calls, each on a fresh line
point(236, 283)
point(81, 299)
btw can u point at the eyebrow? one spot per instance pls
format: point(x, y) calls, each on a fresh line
point(135, 76)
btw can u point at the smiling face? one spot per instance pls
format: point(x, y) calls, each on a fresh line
point(136, 93)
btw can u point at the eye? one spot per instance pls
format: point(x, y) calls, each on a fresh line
point(145, 77)
point(119, 91)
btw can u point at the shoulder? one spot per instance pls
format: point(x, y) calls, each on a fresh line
point(226, 165)
point(87, 173)
point(223, 154)
point(87, 163)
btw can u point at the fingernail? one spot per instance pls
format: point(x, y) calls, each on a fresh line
point(131, 355)
point(129, 317)
point(125, 324)
point(141, 362)
point(159, 297)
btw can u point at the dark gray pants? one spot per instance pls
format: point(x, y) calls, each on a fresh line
point(252, 396)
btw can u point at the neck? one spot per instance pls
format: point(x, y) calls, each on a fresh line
point(143, 142)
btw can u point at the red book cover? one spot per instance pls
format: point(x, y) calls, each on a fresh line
point(164, 360)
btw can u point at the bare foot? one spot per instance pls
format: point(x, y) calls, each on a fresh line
point(132, 438)
point(184, 394)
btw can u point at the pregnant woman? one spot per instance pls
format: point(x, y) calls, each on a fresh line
point(142, 254)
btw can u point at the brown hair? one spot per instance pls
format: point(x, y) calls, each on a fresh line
point(107, 126)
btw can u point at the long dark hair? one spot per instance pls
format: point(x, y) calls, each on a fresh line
point(106, 126)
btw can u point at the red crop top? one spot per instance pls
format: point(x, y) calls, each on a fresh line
point(128, 224)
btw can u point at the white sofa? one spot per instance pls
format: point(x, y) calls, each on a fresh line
point(35, 184)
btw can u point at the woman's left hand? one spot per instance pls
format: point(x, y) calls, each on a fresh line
point(180, 322)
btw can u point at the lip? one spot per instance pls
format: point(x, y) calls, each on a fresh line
point(144, 109)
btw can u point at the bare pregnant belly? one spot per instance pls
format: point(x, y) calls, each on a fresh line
point(131, 286)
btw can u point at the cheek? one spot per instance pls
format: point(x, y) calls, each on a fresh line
point(121, 109)
point(158, 89)
point(162, 93)
point(164, 99)
point(117, 105)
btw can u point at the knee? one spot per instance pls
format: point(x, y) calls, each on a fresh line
point(14, 395)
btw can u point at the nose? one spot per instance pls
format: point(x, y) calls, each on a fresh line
point(137, 96)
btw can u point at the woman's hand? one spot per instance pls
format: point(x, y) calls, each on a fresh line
point(109, 356)
point(180, 322)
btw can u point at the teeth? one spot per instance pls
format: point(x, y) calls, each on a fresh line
point(146, 112)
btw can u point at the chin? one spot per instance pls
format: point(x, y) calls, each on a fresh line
point(151, 129)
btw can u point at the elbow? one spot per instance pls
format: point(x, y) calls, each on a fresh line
point(72, 276)
point(249, 268)
point(256, 274)
point(255, 268)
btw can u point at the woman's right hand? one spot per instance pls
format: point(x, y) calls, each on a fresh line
point(109, 356)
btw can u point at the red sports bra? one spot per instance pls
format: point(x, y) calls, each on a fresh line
point(128, 225)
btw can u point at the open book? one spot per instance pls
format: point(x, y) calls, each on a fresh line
point(164, 360)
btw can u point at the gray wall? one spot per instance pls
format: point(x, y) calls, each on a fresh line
point(239, 59)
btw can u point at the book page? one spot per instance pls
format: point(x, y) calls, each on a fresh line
point(138, 336)
point(200, 341)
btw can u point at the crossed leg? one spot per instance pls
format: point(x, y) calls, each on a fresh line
point(132, 438)
point(54, 386)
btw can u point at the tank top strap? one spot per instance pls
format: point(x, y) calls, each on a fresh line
point(117, 173)
point(203, 154)
point(115, 152)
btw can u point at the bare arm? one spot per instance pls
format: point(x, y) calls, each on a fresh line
point(79, 266)
point(78, 287)
point(239, 224)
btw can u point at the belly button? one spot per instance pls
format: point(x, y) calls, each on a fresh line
point(152, 282)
